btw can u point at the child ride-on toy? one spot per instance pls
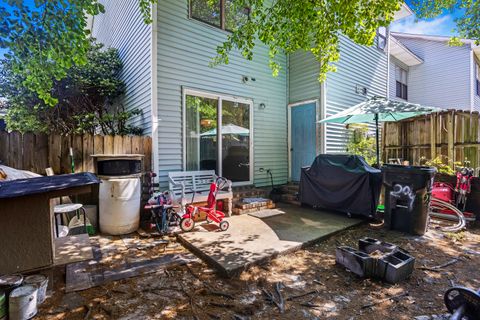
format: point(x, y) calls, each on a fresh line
point(187, 222)
point(163, 213)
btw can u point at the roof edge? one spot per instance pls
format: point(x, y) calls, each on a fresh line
point(428, 37)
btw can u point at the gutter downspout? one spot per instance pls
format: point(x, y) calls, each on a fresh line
point(388, 65)
point(472, 79)
point(323, 112)
point(154, 88)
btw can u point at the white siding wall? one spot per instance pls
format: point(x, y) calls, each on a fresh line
point(122, 27)
point(442, 80)
point(303, 77)
point(358, 65)
point(185, 49)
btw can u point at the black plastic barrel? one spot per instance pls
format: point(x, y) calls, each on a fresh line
point(407, 197)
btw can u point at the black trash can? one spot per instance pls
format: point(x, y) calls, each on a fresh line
point(407, 197)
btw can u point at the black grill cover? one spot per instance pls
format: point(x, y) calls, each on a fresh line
point(343, 183)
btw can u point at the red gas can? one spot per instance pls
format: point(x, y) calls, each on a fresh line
point(443, 191)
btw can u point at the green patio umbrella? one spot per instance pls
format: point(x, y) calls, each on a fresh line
point(379, 109)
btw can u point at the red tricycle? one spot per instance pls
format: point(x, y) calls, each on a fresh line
point(187, 222)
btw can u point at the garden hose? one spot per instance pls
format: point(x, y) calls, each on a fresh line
point(438, 205)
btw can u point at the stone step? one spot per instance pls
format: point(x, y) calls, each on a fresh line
point(243, 205)
point(290, 197)
point(251, 194)
point(239, 211)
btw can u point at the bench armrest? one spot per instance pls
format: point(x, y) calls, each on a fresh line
point(177, 184)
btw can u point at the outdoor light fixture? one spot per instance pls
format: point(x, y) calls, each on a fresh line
point(245, 79)
point(262, 106)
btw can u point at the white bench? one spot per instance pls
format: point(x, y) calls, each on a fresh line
point(183, 184)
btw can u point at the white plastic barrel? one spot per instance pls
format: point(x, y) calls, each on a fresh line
point(119, 201)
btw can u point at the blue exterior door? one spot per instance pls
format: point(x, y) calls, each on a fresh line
point(303, 137)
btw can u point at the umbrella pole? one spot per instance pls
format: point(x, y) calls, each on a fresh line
point(377, 140)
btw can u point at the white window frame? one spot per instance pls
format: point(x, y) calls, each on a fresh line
point(383, 36)
point(477, 78)
point(406, 81)
point(220, 97)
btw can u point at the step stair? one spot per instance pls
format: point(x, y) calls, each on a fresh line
point(240, 193)
point(290, 194)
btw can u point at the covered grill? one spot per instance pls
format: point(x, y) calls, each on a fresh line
point(344, 183)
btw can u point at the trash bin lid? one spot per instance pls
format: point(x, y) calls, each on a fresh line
point(397, 168)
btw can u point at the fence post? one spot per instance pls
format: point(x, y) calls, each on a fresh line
point(433, 136)
point(451, 137)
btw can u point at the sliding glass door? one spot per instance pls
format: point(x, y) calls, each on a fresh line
point(218, 135)
point(201, 145)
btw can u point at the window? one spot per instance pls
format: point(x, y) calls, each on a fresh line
point(401, 83)
point(223, 14)
point(381, 38)
point(477, 79)
point(218, 135)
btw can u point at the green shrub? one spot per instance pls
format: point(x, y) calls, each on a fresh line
point(362, 143)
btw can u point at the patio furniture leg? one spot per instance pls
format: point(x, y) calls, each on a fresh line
point(84, 218)
point(56, 224)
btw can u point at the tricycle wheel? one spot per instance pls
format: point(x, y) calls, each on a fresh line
point(187, 224)
point(224, 225)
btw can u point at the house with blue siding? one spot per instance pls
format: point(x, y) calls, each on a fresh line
point(236, 119)
point(427, 70)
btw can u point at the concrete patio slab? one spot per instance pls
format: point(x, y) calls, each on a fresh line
point(251, 240)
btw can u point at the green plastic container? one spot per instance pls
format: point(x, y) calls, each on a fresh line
point(3, 306)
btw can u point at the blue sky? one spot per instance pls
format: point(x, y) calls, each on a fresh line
point(442, 25)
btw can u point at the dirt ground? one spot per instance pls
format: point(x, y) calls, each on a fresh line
point(310, 282)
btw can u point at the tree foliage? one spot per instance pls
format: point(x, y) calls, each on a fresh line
point(47, 38)
point(362, 143)
point(87, 98)
point(289, 25)
point(468, 25)
point(315, 26)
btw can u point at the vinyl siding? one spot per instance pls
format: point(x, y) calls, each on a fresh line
point(303, 77)
point(122, 27)
point(358, 65)
point(185, 49)
point(442, 79)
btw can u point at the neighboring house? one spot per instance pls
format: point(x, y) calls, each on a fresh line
point(236, 119)
point(3, 125)
point(426, 70)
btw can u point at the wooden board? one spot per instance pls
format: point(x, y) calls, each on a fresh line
point(80, 278)
point(72, 249)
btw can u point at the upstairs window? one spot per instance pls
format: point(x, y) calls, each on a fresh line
point(207, 11)
point(381, 38)
point(477, 79)
point(222, 14)
point(401, 76)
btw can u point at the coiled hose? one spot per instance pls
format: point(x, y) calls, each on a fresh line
point(439, 205)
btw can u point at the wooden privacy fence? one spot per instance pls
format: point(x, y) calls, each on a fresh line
point(37, 151)
point(451, 133)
